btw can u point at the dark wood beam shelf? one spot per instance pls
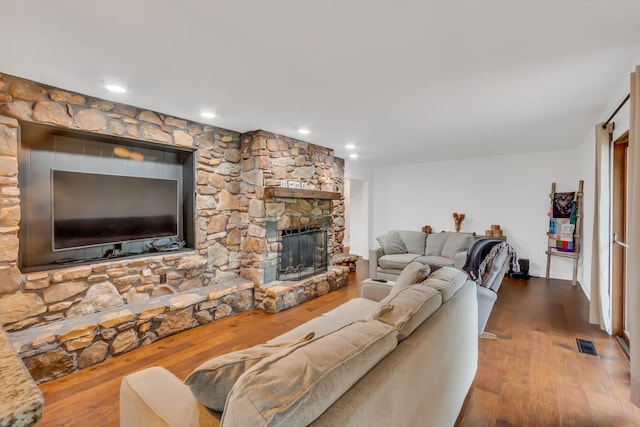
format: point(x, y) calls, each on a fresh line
point(299, 193)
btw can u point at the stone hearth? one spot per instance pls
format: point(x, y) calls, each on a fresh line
point(77, 291)
point(278, 295)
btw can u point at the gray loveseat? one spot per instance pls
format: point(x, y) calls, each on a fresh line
point(398, 248)
point(407, 360)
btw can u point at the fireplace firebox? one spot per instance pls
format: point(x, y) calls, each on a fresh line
point(303, 252)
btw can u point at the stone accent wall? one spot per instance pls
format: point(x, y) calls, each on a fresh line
point(218, 209)
point(268, 159)
point(9, 206)
point(57, 317)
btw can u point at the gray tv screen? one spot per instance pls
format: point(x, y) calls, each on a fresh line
point(90, 209)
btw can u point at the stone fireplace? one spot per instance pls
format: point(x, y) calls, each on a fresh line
point(268, 160)
point(74, 316)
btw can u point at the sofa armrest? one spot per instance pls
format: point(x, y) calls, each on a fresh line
point(486, 299)
point(460, 259)
point(499, 266)
point(154, 397)
point(374, 255)
point(375, 291)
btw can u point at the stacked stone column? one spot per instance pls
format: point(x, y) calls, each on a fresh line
point(269, 159)
point(20, 305)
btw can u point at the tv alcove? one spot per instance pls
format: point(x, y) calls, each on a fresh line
point(87, 197)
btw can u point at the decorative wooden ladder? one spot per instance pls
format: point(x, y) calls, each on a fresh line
point(577, 236)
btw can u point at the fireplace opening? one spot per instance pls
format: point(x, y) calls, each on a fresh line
point(303, 252)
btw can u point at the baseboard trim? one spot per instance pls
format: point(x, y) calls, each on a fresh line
point(492, 336)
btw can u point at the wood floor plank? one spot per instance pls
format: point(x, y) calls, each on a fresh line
point(490, 379)
point(513, 405)
point(481, 405)
point(532, 376)
point(543, 406)
point(573, 408)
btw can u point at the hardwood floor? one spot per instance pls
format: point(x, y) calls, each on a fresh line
point(533, 376)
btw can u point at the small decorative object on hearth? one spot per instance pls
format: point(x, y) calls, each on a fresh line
point(167, 244)
point(457, 219)
point(427, 229)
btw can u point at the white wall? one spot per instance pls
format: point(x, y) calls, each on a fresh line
point(512, 191)
point(359, 218)
point(587, 166)
point(358, 177)
point(346, 241)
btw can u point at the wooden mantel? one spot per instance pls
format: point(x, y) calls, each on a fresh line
point(299, 193)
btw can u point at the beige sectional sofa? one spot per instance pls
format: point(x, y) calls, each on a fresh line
point(406, 359)
point(398, 248)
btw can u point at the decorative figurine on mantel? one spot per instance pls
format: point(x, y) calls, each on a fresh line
point(458, 218)
point(427, 229)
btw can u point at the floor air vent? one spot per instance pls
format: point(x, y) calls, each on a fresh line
point(586, 347)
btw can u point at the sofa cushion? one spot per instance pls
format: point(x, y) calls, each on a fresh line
point(396, 261)
point(413, 240)
point(413, 273)
point(456, 242)
point(389, 271)
point(212, 381)
point(447, 281)
point(392, 243)
point(408, 308)
point(435, 261)
point(349, 312)
point(296, 385)
point(435, 243)
point(374, 291)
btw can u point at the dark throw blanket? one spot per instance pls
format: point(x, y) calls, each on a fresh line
point(482, 252)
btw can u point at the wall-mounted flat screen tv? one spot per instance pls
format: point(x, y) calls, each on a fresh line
point(90, 209)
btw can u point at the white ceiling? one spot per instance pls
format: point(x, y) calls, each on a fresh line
point(406, 81)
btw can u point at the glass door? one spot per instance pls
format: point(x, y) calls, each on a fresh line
point(619, 238)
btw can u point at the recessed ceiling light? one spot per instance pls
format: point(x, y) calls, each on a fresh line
point(353, 155)
point(208, 114)
point(304, 131)
point(350, 146)
point(112, 87)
